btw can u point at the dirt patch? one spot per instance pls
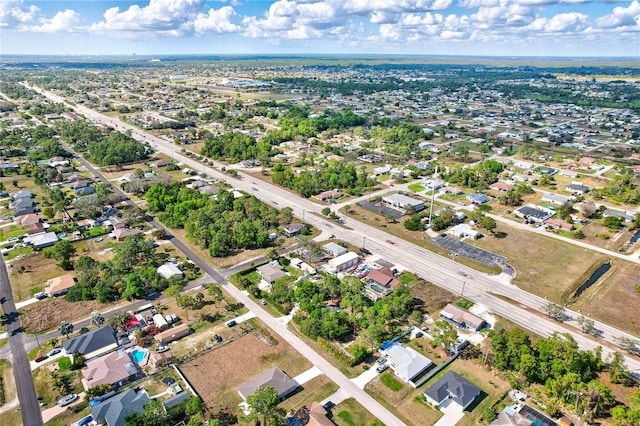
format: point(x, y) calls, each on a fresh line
point(217, 375)
point(616, 239)
point(47, 315)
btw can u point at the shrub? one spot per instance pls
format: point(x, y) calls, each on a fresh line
point(603, 236)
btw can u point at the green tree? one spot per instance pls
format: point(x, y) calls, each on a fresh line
point(65, 328)
point(271, 253)
point(263, 407)
point(444, 335)
point(62, 252)
point(97, 319)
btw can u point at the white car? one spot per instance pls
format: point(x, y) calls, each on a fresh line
point(66, 400)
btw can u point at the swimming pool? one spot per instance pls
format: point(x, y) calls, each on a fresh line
point(377, 289)
point(138, 355)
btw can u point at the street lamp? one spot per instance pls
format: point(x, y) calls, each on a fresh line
point(464, 283)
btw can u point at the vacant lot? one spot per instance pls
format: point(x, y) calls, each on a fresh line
point(350, 413)
point(615, 241)
point(555, 269)
point(544, 266)
point(48, 314)
point(217, 375)
point(613, 299)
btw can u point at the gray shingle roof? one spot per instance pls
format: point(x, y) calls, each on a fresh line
point(116, 408)
point(455, 387)
point(91, 341)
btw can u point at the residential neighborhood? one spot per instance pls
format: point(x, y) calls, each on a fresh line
point(311, 242)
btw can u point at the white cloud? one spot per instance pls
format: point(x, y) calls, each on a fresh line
point(217, 21)
point(64, 21)
point(159, 17)
point(621, 17)
point(563, 22)
point(395, 6)
point(13, 14)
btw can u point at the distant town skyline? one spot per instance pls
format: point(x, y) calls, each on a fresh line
point(570, 28)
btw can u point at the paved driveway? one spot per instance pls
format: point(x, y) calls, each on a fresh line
point(452, 414)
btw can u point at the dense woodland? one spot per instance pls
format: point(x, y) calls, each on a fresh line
point(220, 224)
point(336, 175)
point(104, 148)
point(570, 377)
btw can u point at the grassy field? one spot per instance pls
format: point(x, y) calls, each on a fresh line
point(217, 375)
point(555, 269)
point(350, 413)
point(7, 385)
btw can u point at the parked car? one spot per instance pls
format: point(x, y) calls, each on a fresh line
point(56, 351)
point(42, 358)
point(217, 337)
point(161, 349)
point(66, 400)
point(231, 323)
point(85, 421)
point(381, 361)
point(382, 367)
point(41, 295)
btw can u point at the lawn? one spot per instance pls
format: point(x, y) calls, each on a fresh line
point(350, 413)
point(217, 374)
point(71, 415)
point(416, 187)
point(545, 266)
point(391, 382)
point(314, 390)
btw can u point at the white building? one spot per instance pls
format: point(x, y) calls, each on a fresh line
point(343, 262)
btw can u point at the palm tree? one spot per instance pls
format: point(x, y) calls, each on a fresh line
point(65, 328)
point(97, 319)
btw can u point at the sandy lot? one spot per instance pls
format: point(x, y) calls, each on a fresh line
point(217, 374)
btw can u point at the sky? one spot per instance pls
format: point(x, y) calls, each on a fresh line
point(569, 28)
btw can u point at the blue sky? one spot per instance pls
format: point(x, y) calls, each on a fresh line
point(436, 27)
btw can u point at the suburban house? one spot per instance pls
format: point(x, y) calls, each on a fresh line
point(545, 170)
point(121, 234)
point(23, 193)
point(535, 213)
point(79, 184)
point(41, 241)
point(21, 204)
point(462, 318)
point(92, 344)
point(115, 368)
point(169, 270)
point(57, 161)
point(477, 198)
point(403, 202)
point(159, 359)
point(292, 229)
point(434, 184)
point(554, 199)
point(59, 286)
point(29, 219)
point(275, 378)
point(37, 228)
point(328, 195)
point(343, 262)
point(615, 213)
point(560, 224)
point(501, 186)
point(270, 273)
point(159, 163)
point(335, 249)
point(464, 231)
point(315, 415)
point(172, 334)
point(452, 389)
point(577, 189)
point(407, 363)
point(112, 411)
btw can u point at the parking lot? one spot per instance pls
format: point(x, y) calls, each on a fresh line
point(485, 257)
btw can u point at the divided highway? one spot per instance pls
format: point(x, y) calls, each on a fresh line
point(478, 287)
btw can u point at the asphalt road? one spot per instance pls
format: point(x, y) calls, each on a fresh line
point(30, 408)
point(435, 268)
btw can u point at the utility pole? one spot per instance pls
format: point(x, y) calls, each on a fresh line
point(433, 196)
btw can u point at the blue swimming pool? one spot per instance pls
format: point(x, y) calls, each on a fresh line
point(138, 355)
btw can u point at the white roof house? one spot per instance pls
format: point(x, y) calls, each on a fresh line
point(407, 363)
point(335, 249)
point(169, 270)
point(403, 201)
point(464, 230)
